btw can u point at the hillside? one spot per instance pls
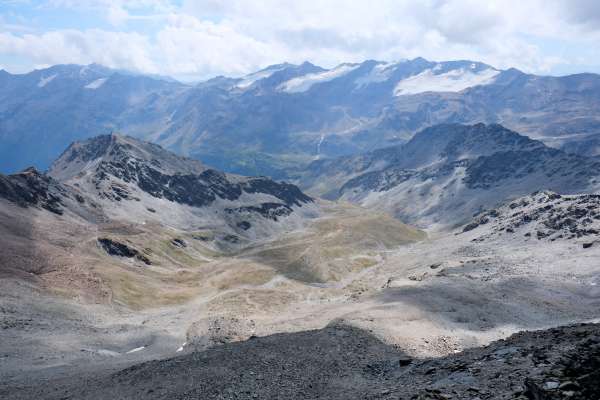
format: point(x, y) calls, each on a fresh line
point(447, 173)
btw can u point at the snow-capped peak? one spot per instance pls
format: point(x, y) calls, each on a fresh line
point(252, 78)
point(380, 72)
point(305, 82)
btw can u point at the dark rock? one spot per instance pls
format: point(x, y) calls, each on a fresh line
point(201, 238)
point(115, 248)
point(533, 391)
point(268, 210)
point(245, 225)
point(570, 386)
point(32, 188)
point(231, 239)
point(179, 243)
point(403, 362)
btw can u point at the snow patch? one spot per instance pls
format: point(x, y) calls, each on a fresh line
point(96, 84)
point(250, 79)
point(305, 82)
point(136, 350)
point(44, 81)
point(379, 73)
point(451, 81)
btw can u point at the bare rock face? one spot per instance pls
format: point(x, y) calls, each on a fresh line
point(114, 164)
point(31, 188)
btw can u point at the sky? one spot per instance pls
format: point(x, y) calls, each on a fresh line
point(195, 40)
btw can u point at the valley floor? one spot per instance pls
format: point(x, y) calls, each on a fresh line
point(431, 298)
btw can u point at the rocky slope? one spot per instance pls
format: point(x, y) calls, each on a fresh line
point(272, 121)
point(82, 299)
point(119, 219)
point(545, 216)
point(134, 180)
point(31, 188)
point(341, 362)
point(123, 203)
point(446, 173)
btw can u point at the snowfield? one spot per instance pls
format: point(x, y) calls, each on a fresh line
point(251, 79)
point(379, 73)
point(304, 83)
point(451, 81)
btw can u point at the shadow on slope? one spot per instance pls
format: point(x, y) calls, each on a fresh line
point(521, 302)
point(340, 362)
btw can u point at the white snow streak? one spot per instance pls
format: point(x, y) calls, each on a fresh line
point(319, 145)
point(250, 79)
point(44, 81)
point(305, 82)
point(96, 84)
point(136, 350)
point(379, 73)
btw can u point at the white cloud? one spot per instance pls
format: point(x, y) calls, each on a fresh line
point(114, 49)
point(200, 38)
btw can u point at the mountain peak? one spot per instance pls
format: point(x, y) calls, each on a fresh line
point(447, 142)
point(124, 150)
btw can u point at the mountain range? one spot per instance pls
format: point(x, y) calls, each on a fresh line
point(368, 230)
point(447, 173)
point(276, 120)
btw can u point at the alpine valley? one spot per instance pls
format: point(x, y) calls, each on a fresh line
point(382, 230)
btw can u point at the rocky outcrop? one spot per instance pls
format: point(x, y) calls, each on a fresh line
point(118, 249)
point(115, 161)
point(544, 216)
point(271, 211)
point(31, 188)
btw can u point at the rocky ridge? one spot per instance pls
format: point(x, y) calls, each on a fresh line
point(447, 173)
point(138, 179)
